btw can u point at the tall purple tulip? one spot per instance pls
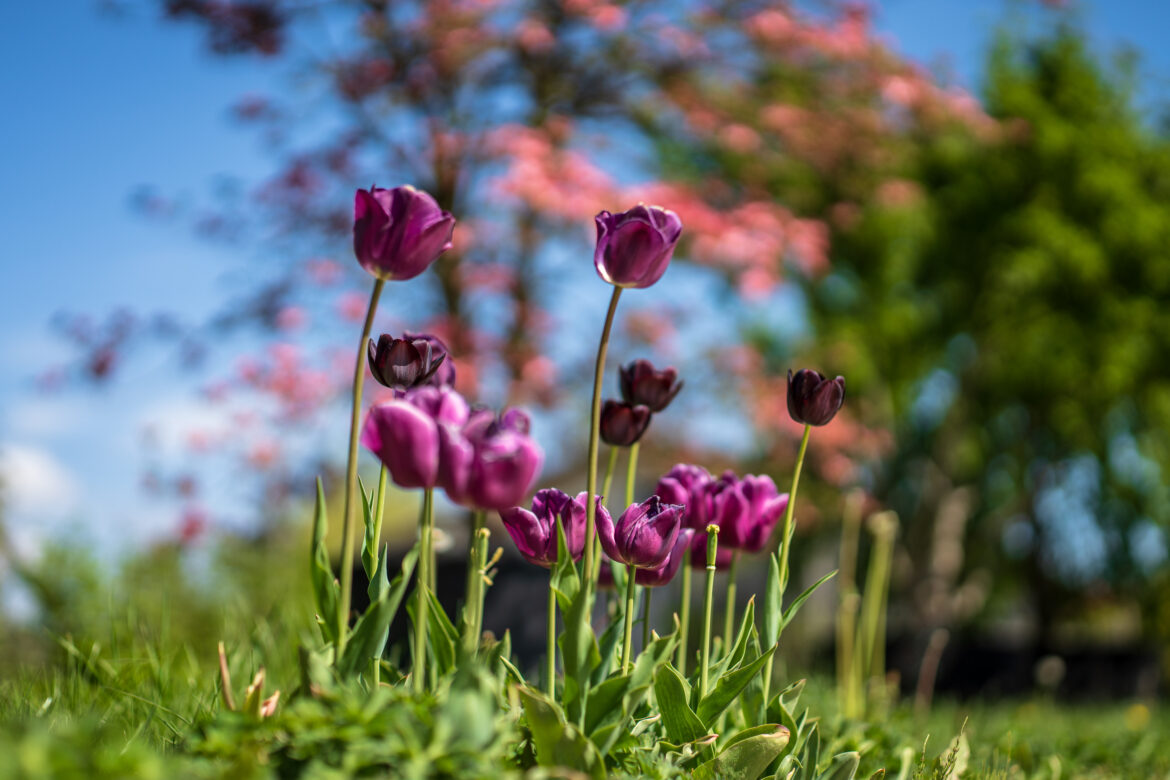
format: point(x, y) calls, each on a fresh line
point(490, 463)
point(535, 531)
point(687, 485)
point(405, 433)
point(642, 384)
point(634, 247)
point(662, 575)
point(403, 363)
point(746, 510)
point(814, 399)
point(398, 233)
point(644, 535)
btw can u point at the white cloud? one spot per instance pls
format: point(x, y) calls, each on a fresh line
point(44, 417)
point(36, 483)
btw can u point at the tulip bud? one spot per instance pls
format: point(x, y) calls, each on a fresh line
point(398, 233)
point(643, 385)
point(490, 462)
point(623, 424)
point(634, 247)
point(403, 363)
point(643, 536)
point(687, 485)
point(406, 433)
point(662, 575)
point(746, 510)
point(812, 398)
point(535, 532)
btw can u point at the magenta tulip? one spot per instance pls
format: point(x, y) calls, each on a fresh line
point(687, 485)
point(398, 233)
point(634, 247)
point(644, 535)
point(406, 433)
point(535, 531)
point(662, 575)
point(490, 463)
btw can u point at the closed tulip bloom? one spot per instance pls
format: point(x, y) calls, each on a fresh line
point(644, 385)
point(535, 531)
point(688, 485)
point(746, 510)
point(662, 575)
point(812, 398)
point(405, 433)
point(444, 376)
point(490, 463)
point(644, 535)
point(403, 363)
point(398, 233)
point(634, 247)
point(623, 424)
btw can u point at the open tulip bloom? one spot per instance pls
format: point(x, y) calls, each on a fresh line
point(535, 531)
point(634, 247)
point(404, 363)
point(398, 233)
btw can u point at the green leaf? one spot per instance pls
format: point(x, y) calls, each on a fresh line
point(565, 580)
point(368, 639)
point(369, 543)
point(747, 754)
point(773, 603)
point(746, 628)
point(681, 723)
point(442, 637)
point(611, 637)
point(728, 687)
point(843, 767)
point(326, 590)
point(604, 699)
point(803, 597)
point(812, 753)
point(559, 743)
point(579, 652)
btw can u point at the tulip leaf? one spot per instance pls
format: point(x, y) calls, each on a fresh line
point(798, 602)
point(773, 603)
point(442, 637)
point(729, 687)
point(557, 742)
point(681, 723)
point(746, 628)
point(604, 700)
point(608, 648)
point(746, 755)
point(843, 767)
point(565, 580)
point(579, 652)
point(368, 639)
point(369, 543)
point(326, 591)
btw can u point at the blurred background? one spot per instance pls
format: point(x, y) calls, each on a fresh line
point(962, 207)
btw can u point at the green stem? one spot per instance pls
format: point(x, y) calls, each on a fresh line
point(594, 432)
point(712, 549)
point(477, 521)
point(610, 467)
point(684, 619)
point(646, 617)
point(729, 607)
point(631, 473)
point(628, 640)
point(348, 522)
point(551, 649)
point(379, 511)
point(485, 537)
point(422, 577)
point(474, 604)
point(787, 538)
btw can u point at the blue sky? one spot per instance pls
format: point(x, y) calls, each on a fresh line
point(94, 107)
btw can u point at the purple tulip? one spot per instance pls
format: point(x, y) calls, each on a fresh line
point(746, 510)
point(623, 424)
point(405, 433)
point(643, 536)
point(403, 363)
point(813, 399)
point(535, 532)
point(490, 463)
point(398, 233)
point(644, 385)
point(445, 375)
point(687, 485)
point(635, 246)
point(665, 573)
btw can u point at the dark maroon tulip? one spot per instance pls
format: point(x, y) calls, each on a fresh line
point(662, 575)
point(490, 463)
point(403, 363)
point(535, 532)
point(746, 510)
point(644, 535)
point(445, 375)
point(623, 424)
point(813, 399)
point(398, 233)
point(406, 433)
point(687, 484)
point(635, 246)
point(644, 385)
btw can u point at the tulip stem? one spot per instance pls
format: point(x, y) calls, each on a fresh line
point(610, 467)
point(359, 378)
point(631, 473)
point(469, 604)
point(594, 431)
point(729, 609)
point(785, 541)
point(422, 577)
point(551, 650)
point(377, 537)
point(684, 619)
point(646, 617)
point(712, 549)
point(628, 636)
point(473, 609)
